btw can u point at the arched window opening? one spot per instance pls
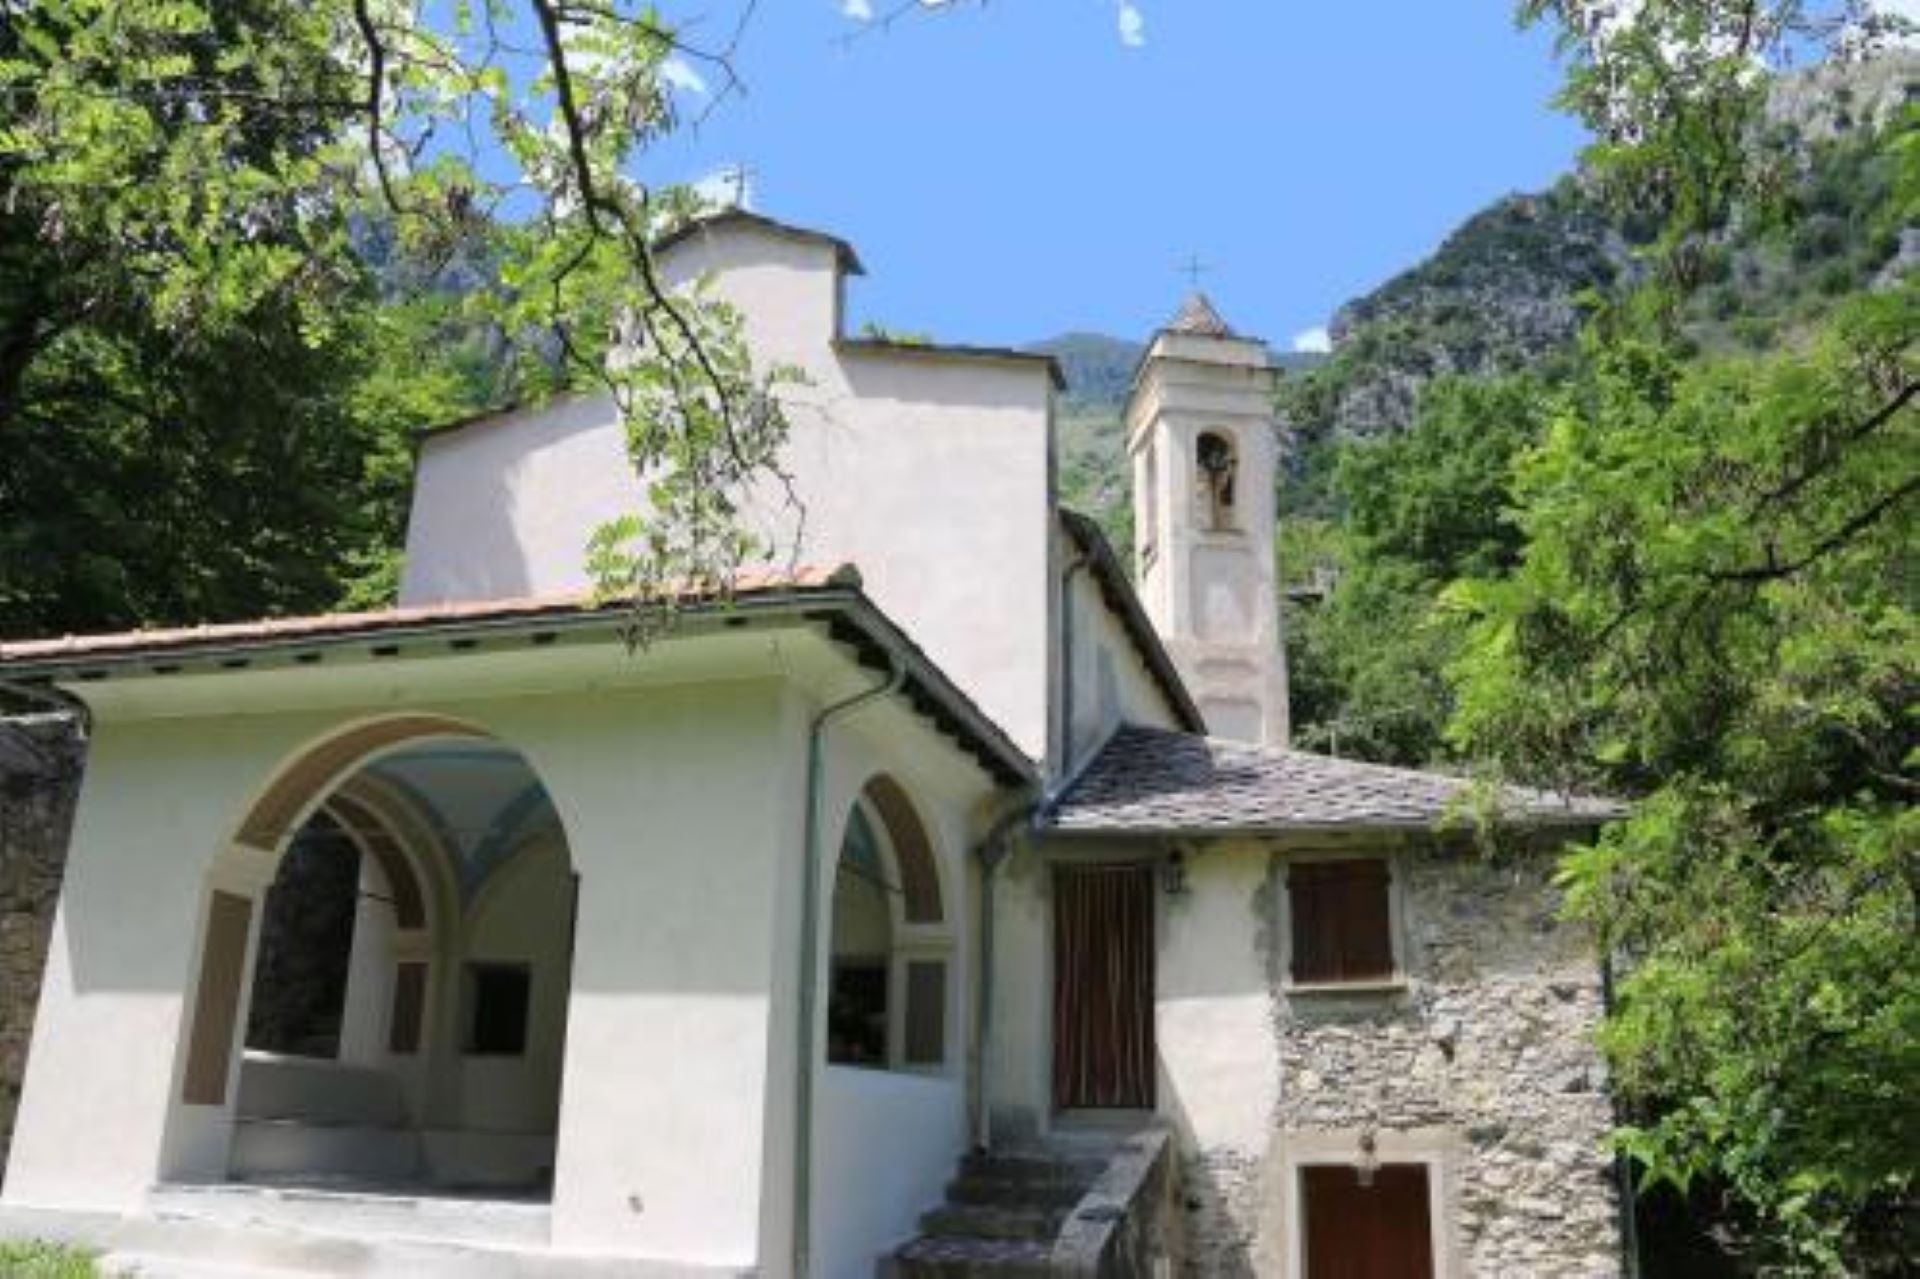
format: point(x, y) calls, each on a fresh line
point(862, 949)
point(301, 971)
point(396, 979)
point(888, 970)
point(1217, 465)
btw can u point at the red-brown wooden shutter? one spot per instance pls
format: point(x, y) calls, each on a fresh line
point(1342, 924)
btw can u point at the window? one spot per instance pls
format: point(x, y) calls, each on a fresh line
point(497, 996)
point(887, 999)
point(1146, 513)
point(1341, 917)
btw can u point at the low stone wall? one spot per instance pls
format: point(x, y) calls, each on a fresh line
point(1127, 1225)
point(41, 758)
point(1483, 1065)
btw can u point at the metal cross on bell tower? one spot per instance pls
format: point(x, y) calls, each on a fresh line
point(1193, 268)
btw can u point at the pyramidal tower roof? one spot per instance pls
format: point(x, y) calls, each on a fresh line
point(1197, 316)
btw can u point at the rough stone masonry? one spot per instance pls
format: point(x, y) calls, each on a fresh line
point(1491, 1043)
point(41, 758)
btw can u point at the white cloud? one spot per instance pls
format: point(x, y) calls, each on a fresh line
point(1315, 340)
point(1133, 25)
point(857, 10)
point(677, 73)
point(727, 188)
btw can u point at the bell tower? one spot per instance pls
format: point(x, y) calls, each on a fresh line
point(1201, 438)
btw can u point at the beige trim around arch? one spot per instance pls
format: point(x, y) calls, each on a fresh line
point(318, 768)
point(241, 871)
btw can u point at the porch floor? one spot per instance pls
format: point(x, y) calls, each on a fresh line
point(362, 1209)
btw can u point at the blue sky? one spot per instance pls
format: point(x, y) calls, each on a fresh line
point(1013, 170)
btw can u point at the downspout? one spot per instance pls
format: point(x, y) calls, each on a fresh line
point(809, 959)
point(995, 848)
point(1622, 1165)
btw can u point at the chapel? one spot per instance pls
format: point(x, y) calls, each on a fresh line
point(941, 898)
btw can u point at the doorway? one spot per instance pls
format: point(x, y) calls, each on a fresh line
point(1103, 983)
point(1375, 1224)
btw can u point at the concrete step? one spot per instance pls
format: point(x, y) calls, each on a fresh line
point(319, 1091)
point(268, 1148)
point(972, 1259)
point(970, 1188)
point(992, 1221)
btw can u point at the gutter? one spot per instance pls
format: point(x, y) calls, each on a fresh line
point(55, 698)
point(1622, 1165)
point(805, 1039)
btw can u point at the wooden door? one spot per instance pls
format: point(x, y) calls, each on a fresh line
point(1103, 1054)
point(1377, 1231)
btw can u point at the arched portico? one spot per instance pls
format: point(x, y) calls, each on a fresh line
point(381, 988)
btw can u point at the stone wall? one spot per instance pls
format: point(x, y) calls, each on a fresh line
point(40, 764)
point(1483, 1063)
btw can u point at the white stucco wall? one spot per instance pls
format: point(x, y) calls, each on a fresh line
point(887, 1142)
point(1110, 682)
point(669, 1025)
point(929, 472)
point(680, 784)
point(523, 915)
point(887, 1146)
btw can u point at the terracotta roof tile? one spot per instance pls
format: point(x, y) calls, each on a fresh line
point(1154, 781)
point(266, 630)
point(1198, 316)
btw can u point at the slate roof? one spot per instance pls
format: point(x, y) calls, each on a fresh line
point(1153, 781)
point(1197, 316)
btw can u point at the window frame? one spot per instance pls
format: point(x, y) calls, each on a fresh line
point(1397, 977)
point(909, 943)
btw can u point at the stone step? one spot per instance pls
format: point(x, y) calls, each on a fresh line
point(970, 1188)
point(1033, 1166)
point(929, 1258)
point(268, 1148)
point(992, 1221)
point(319, 1091)
point(357, 1214)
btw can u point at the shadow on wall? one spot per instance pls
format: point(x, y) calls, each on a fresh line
point(41, 760)
point(1218, 1199)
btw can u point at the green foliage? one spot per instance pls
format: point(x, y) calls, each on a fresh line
point(205, 381)
point(1715, 611)
point(33, 1260)
point(1419, 509)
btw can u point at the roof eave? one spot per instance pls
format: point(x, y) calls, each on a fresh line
point(864, 628)
point(1120, 597)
